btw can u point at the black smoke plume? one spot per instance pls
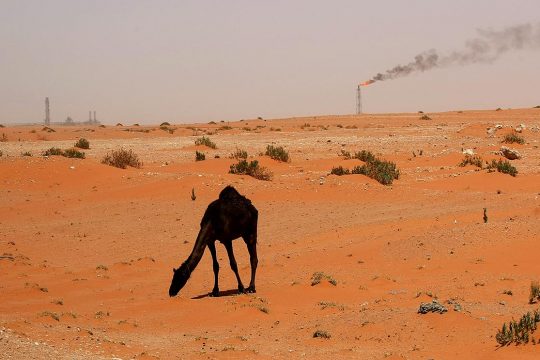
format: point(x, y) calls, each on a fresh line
point(486, 48)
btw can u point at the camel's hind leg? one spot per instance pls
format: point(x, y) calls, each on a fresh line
point(251, 242)
point(212, 247)
point(234, 265)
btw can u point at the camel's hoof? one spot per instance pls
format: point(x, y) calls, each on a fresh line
point(214, 293)
point(241, 290)
point(251, 290)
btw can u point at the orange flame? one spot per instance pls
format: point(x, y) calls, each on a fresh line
point(366, 83)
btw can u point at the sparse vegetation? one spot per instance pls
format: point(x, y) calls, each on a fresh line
point(513, 138)
point(2, 126)
point(319, 276)
point(206, 142)
point(321, 334)
point(472, 160)
point(252, 169)
point(50, 314)
point(534, 294)
point(82, 143)
point(199, 156)
point(164, 124)
point(119, 124)
point(225, 127)
point(168, 129)
point(102, 267)
point(425, 117)
point(239, 154)
point(73, 153)
point(121, 159)
point(275, 129)
point(365, 156)
point(277, 153)
point(48, 129)
point(346, 154)
point(4, 138)
point(53, 151)
point(502, 166)
point(519, 332)
point(383, 171)
point(329, 304)
point(537, 107)
point(26, 153)
point(339, 171)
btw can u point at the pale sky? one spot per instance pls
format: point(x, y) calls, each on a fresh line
point(196, 61)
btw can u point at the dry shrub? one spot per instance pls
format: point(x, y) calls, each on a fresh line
point(121, 159)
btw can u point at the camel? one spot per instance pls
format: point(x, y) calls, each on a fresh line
point(227, 218)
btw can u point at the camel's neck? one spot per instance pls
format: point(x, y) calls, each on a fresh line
point(200, 245)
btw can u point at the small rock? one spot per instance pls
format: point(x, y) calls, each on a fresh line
point(510, 154)
point(520, 128)
point(433, 306)
point(468, 152)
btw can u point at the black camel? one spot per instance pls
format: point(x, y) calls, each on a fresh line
point(227, 218)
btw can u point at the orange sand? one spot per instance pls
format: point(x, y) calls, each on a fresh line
point(93, 246)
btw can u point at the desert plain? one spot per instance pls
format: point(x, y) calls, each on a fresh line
point(86, 249)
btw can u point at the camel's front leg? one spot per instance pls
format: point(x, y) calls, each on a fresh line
point(234, 266)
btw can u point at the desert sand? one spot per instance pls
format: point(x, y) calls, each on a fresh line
point(87, 249)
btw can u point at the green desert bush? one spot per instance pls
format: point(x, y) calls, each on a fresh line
point(82, 143)
point(73, 153)
point(385, 172)
point(53, 151)
point(239, 154)
point(346, 154)
point(518, 332)
point(365, 156)
point(319, 276)
point(513, 138)
point(472, 160)
point(339, 171)
point(277, 153)
point(122, 158)
point(534, 295)
point(252, 169)
point(199, 156)
point(206, 142)
point(502, 166)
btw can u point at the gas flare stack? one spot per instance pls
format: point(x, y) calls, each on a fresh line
point(358, 100)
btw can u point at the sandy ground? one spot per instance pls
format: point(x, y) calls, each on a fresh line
point(87, 249)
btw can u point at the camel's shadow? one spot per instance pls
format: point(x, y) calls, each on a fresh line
point(232, 292)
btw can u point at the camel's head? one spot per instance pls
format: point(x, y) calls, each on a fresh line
point(180, 277)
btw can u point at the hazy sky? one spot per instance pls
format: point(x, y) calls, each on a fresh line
point(196, 61)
